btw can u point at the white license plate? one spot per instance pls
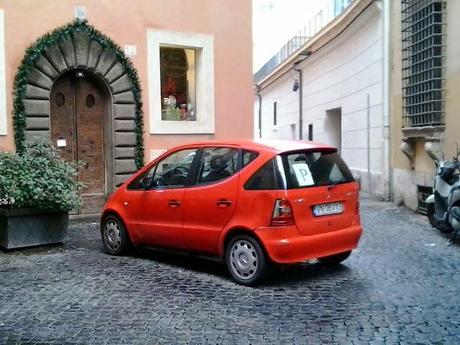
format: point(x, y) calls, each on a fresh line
point(327, 209)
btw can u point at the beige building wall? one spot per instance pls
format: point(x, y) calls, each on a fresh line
point(127, 22)
point(419, 171)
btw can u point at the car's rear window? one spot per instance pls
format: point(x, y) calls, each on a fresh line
point(320, 168)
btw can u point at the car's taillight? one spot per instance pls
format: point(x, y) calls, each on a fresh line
point(282, 213)
point(357, 208)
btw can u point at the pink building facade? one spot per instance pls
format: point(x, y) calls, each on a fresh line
point(114, 83)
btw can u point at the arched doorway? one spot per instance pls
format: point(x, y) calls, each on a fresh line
point(80, 129)
point(100, 116)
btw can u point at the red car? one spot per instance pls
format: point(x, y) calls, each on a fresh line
point(250, 202)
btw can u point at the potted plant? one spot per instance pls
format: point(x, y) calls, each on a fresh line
point(37, 189)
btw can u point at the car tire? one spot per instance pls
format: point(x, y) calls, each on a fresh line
point(335, 259)
point(246, 260)
point(114, 235)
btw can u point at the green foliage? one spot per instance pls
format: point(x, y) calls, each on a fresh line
point(38, 179)
point(38, 48)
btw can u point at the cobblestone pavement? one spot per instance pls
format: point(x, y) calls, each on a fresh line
point(401, 286)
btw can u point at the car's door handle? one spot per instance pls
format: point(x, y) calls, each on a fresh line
point(174, 203)
point(223, 202)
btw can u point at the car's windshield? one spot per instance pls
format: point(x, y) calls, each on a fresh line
point(305, 169)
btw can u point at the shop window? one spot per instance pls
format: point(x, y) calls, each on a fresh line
point(181, 82)
point(178, 84)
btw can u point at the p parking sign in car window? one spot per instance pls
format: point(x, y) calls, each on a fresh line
point(303, 174)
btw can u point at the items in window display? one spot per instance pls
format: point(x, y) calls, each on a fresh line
point(177, 84)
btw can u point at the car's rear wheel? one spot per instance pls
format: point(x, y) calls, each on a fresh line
point(335, 259)
point(246, 260)
point(114, 235)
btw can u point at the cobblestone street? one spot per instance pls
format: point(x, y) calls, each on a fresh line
point(401, 286)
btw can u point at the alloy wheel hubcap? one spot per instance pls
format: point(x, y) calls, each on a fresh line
point(243, 259)
point(112, 233)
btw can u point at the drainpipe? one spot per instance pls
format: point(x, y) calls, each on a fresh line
point(259, 96)
point(386, 28)
point(300, 101)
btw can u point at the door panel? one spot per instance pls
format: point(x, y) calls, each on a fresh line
point(62, 104)
point(155, 217)
point(206, 211)
point(155, 214)
point(210, 204)
point(78, 109)
point(90, 105)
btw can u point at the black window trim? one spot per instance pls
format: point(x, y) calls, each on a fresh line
point(195, 181)
point(192, 180)
point(280, 184)
point(188, 182)
point(284, 159)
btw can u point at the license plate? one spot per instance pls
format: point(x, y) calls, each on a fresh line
point(327, 209)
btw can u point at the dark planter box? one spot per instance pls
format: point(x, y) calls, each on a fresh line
point(26, 228)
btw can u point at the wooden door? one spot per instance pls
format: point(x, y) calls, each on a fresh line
point(78, 108)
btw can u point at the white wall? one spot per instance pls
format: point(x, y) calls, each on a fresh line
point(340, 75)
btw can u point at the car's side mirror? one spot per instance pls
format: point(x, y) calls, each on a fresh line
point(146, 182)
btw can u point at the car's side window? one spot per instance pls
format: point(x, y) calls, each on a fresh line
point(248, 157)
point(266, 178)
point(217, 163)
point(171, 172)
point(136, 184)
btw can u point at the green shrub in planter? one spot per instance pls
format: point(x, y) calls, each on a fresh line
point(37, 189)
point(38, 179)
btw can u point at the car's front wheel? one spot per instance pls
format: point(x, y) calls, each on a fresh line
point(335, 259)
point(246, 260)
point(114, 235)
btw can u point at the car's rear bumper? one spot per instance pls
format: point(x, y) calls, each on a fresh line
point(286, 245)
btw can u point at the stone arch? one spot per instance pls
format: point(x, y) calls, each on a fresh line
point(80, 46)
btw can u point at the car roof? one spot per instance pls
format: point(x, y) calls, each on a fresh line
point(273, 145)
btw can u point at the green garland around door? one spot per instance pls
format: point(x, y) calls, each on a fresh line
point(36, 50)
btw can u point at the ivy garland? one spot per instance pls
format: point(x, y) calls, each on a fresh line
point(39, 47)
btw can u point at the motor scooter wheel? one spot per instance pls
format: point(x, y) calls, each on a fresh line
point(435, 223)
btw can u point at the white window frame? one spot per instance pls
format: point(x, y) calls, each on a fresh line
point(204, 46)
point(3, 121)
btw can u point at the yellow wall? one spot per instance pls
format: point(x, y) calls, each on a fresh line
point(451, 134)
point(452, 95)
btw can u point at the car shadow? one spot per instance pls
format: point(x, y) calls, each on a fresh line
point(187, 261)
point(278, 275)
point(303, 272)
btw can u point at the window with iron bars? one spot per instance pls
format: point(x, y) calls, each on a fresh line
point(423, 52)
point(423, 192)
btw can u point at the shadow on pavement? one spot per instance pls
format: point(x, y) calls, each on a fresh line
point(277, 275)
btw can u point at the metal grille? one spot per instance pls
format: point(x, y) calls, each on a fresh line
point(423, 51)
point(423, 192)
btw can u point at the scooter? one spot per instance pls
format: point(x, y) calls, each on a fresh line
point(444, 203)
